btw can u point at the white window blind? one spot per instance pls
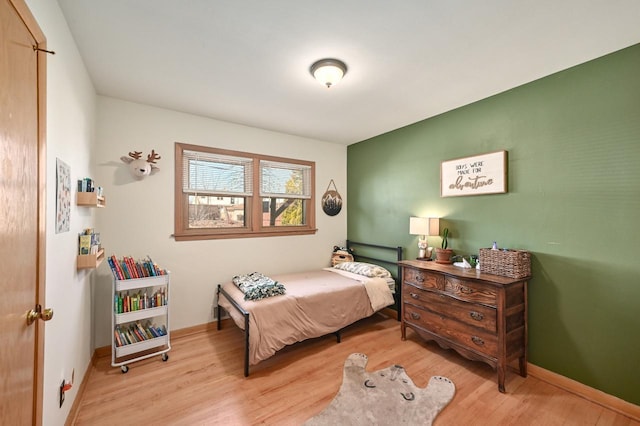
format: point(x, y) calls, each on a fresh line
point(208, 173)
point(284, 180)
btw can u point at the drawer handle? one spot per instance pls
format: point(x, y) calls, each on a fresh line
point(420, 278)
point(415, 316)
point(465, 290)
point(476, 315)
point(478, 341)
point(415, 296)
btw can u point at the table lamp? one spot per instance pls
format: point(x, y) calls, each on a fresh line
point(424, 227)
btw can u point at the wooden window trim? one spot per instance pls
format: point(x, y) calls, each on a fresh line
point(254, 226)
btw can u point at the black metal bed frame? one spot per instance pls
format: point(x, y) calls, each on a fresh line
point(397, 295)
point(350, 245)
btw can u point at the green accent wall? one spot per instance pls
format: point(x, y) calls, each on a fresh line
point(573, 201)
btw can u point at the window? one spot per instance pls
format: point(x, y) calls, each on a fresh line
point(231, 194)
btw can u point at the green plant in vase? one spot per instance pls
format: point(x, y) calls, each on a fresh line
point(444, 254)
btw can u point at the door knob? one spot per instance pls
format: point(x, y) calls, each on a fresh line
point(37, 312)
point(46, 314)
point(32, 315)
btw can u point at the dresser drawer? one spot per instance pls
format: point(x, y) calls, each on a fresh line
point(453, 330)
point(470, 291)
point(423, 279)
point(439, 303)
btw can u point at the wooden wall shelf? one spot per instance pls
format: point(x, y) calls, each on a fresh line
point(90, 261)
point(90, 199)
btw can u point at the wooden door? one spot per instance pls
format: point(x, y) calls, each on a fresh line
point(22, 214)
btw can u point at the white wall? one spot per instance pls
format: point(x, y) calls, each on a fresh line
point(71, 104)
point(138, 219)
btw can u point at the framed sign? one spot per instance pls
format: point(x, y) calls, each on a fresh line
point(477, 175)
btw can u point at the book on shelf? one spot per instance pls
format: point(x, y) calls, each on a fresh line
point(83, 185)
point(124, 302)
point(113, 264)
point(129, 268)
point(154, 332)
point(136, 332)
point(124, 339)
point(88, 242)
point(88, 185)
point(131, 337)
point(84, 244)
point(144, 333)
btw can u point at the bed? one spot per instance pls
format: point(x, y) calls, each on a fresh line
point(316, 303)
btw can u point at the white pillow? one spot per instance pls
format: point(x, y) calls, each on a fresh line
point(362, 268)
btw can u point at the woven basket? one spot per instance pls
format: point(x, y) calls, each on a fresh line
point(506, 263)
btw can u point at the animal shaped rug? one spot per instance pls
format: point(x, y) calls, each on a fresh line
point(384, 397)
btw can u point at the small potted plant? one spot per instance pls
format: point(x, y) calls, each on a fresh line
point(444, 254)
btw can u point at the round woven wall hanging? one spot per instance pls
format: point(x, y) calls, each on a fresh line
point(331, 200)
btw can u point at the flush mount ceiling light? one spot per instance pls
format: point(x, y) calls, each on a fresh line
point(328, 71)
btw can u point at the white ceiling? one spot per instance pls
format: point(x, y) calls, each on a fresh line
point(247, 61)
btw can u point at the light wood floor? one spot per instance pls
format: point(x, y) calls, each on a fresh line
point(202, 384)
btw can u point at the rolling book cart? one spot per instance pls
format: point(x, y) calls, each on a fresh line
point(140, 318)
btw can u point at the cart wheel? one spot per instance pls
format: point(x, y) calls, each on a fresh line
point(165, 357)
point(124, 369)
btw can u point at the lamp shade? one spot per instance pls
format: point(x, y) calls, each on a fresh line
point(434, 226)
point(424, 226)
point(328, 71)
point(418, 226)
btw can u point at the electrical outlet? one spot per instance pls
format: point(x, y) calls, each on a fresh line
point(61, 393)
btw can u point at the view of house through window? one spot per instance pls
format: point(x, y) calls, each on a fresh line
point(229, 194)
point(215, 212)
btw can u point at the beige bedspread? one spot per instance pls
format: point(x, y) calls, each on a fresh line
point(316, 303)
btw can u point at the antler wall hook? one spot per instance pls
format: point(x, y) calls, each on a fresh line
point(139, 167)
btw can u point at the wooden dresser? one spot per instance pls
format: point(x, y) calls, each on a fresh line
point(481, 316)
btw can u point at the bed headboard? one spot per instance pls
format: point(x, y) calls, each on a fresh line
point(375, 250)
point(386, 256)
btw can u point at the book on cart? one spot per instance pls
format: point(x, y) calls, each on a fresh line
point(140, 311)
point(127, 268)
